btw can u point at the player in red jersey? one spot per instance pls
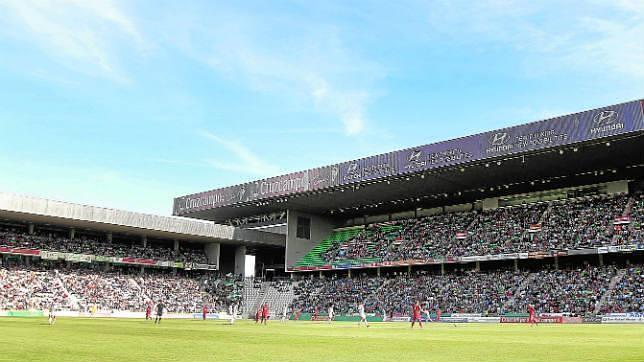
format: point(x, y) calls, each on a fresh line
point(258, 314)
point(148, 312)
point(265, 313)
point(204, 312)
point(416, 310)
point(531, 319)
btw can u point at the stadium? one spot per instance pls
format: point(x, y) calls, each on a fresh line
point(538, 225)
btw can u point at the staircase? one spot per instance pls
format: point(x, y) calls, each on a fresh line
point(252, 296)
point(613, 283)
point(509, 305)
point(629, 206)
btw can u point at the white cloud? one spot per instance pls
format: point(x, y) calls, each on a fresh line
point(247, 161)
point(312, 66)
point(81, 34)
point(600, 37)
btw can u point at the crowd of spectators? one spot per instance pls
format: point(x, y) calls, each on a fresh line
point(628, 293)
point(82, 289)
point(315, 295)
point(489, 293)
point(13, 238)
point(31, 288)
point(586, 222)
point(569, 290)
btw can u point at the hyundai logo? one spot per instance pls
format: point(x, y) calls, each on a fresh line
point(499, 139)
point(605, 118)
point(414, 156)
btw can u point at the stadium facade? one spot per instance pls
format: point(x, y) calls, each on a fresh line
point(598, 152)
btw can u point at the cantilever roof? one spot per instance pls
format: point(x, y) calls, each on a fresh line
point(38, 210)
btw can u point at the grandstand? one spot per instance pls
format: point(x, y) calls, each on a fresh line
point(548, 213)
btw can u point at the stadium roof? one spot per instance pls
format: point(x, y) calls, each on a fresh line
point(518, 156)
point(44, 211)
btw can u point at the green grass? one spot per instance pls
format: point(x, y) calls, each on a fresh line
point(137, 340)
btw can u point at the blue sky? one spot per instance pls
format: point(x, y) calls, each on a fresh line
point(129, 103)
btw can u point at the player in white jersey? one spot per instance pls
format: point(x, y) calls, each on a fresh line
point(363, 315)
point(232, 310)
point(52, 314)
point(331, 313)
point(285, 314)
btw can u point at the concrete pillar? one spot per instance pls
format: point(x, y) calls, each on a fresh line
point(516, 264)
point(601, 259)
point(30, 228)
point(72, 233)
point(109, 237)
point(28, 261)
point(212, 251)
point(142, 270)
point(144, 241)
point(240, 260)
point(176, 247)
point(320, 274)
point(477, 266)
point(556, 262)
point(378, 271)
point(349, 274)
point(442, 268)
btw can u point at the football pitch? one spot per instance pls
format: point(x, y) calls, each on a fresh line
point(175, 340)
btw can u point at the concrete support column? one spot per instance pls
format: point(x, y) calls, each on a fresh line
point(72, 233)
point(320, 274)
point(349, 274)
point(142, 270)
point(30, 228)
point(108, 236)
point(601, 259)
point(442, 268)
point(516, 265)
point(176, 247)
point(144, 241)
point(409, 269)
point(240, 260)
point(556, 263)
point(28, 261)
point(212, 251)
point(477, 266)
point(378, 271)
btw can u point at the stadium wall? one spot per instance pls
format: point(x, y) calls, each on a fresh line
point(296, 248)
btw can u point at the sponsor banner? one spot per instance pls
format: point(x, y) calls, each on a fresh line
point(79, 258)
point(582, 251)
point(210, 316)
point(369, 168)
point(592, 319)
point(572, 320)
point(602, 250)
point(627, 248)
point(623, 318)
point(537, 254)
point(324, 177)
point(103, 259)
point(142, 261)
point(613, 249)
point(465, 315)
point(520, 319)
point(579, 127)
point(19, 251)
point(25, 313)
point(523, 255)
point(511, 256)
